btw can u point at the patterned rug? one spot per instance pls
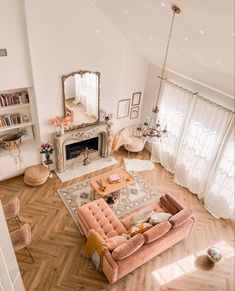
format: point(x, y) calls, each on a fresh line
point(131, 198)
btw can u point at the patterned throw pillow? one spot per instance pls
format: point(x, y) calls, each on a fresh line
point(139, 228)
point(159, 217)
point(142, 216)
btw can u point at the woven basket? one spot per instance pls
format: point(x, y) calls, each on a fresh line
point(10, 141)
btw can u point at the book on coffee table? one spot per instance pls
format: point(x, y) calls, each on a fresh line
point(115, 178)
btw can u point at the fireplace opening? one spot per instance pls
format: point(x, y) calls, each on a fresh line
point(73, 150)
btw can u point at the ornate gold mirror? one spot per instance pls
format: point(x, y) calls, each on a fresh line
point(81, 92)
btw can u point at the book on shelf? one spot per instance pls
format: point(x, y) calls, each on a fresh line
point(14, 99)
point(12, 119)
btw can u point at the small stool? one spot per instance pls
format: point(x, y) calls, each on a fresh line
point(36, 175)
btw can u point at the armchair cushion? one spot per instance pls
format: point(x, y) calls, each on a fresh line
point(135, 145)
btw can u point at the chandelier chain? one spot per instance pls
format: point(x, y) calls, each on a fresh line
point(166, 55)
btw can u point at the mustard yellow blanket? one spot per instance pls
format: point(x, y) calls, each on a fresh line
point(95, 247)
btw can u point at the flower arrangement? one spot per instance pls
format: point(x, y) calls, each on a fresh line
point(61, 122)
point(58, 121)
point(46, 148)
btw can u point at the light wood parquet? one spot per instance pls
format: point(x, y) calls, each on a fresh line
point(57, 245)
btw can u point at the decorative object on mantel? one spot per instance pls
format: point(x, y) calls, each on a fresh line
point(47, 149)
point(62, 123)
point(36, 175)
point(151, 130)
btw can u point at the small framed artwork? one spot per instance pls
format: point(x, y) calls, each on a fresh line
point(134, 112)
point(136, 99)
point(123, 108)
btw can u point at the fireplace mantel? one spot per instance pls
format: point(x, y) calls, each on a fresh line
point(76, 135)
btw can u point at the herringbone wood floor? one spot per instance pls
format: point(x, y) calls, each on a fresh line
point(57, 245)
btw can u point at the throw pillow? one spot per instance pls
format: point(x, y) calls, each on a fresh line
point(139, 228)
point(115, 241)
point(142, 216)
point(128, 248)
point(159, 217)
point(157, 231)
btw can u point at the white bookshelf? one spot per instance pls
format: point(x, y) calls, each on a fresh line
point(15, 126)
point(10, 107)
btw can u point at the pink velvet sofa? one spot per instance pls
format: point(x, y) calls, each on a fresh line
point(98, 216)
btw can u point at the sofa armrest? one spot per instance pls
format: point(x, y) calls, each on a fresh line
point(174, 201)
point(109, 267)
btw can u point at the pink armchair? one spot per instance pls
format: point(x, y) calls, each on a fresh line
point(134, 143)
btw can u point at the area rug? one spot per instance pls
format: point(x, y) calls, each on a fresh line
point(84, 170)
point(131, 198)
point(138, 165)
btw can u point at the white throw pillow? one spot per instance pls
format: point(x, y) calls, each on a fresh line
point(142, 217)
point(159, 217)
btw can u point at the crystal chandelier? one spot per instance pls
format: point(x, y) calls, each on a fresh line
point(152, 130)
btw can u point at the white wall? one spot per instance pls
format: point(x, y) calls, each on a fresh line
point(15, 68)
point(152, 85)
point(75, 35)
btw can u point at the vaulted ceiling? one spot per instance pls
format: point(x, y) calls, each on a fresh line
point(202, 46)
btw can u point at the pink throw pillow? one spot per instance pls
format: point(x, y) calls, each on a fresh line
point(128, 248)
point(157, 231)
point(115, 241)
point(181, 217)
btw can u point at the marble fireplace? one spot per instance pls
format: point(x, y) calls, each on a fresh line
point(69, 145)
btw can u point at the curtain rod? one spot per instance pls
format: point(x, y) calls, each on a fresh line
point(196, 93)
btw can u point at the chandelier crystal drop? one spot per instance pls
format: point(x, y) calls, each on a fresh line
point(152, 129)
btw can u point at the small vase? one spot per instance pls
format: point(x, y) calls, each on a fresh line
point(61, 129)
point(48, 158)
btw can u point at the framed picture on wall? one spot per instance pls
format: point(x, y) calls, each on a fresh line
point(136, 98)
point(123, 108)
point(134, 112)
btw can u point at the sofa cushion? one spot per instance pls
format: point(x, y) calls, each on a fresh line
point(127, 221)
point(157, 231)
point(115, 241)
point(128, 248)
point(142, 216)
point(181, 217)
point(159, 217)
point(139, 228)
point(98, 215)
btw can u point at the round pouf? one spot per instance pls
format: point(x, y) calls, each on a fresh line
point(214, 254)
point(36, 175)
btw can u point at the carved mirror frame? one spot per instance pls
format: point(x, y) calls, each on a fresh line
point(82, 72)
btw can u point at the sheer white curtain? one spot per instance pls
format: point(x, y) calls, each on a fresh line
point(200, 145)
point(174, 108)
point(77, 86)
point(219, 194)
point(90, 82)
